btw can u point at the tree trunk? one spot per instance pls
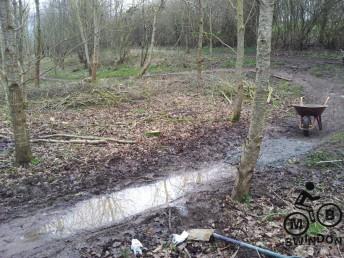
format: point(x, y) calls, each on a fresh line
point(144, 44)
point(12, 73)
point(151, 47)
point(18, 21)
point(2, 54)
point(200, 42)
point(211, 31)
point(38, 42)
point(20, 34)
point(251, 150)
point(95, 57)
point(239, 60)
point(187, 29)
point(2, 68)
point(83, 35)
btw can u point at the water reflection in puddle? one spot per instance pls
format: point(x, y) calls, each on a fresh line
point(109, 209)
point(27, 233)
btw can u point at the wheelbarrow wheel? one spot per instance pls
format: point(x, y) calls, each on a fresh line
point(306, 133)
point(319, 122)
point(306, 121)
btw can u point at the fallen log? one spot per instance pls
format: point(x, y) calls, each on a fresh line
point(70, 141)
point(95, 139)
point(281, 77)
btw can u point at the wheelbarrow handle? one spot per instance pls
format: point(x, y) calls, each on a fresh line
point(256, 248)
point(327, 99)
point(301, 101)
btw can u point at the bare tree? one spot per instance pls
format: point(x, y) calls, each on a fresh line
point(251, 150)
point(239, 60)
point(144, 40)
point(76, 5)
point(38, 44)
point(20, 35)
point(151, 47)
point(2, 54)
point(210, 30)
point(12, 80)
point(200, 41)
point(95, 56)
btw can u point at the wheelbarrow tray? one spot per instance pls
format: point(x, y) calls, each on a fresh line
point(310, 109)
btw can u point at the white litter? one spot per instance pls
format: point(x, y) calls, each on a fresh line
point(136, 247)
point(178, 239)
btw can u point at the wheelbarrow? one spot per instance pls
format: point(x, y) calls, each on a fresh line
point(309, 113)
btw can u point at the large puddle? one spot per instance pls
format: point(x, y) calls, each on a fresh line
point(105, 210)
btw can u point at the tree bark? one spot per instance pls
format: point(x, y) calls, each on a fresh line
point(144, 44)
point(239, 61)
point(200, 42)
point(2, 54)
point(2, 68)
point(21, 34)
point(82, 34)
point(12, 74)
point(187, 28)
point(151, 47)
point(251, 149)
point(95, 56)
point(38, 42)
point(211, 31)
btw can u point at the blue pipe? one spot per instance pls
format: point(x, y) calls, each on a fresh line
point(256, 248)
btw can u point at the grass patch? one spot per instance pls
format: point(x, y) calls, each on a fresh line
point(322, 54)
point(216, 50)
point(327, 70)
point(332, 152)
point(337, 137)
point(316, 229)
point(277, 63)
point(68, 75)
point(131, 71)
point(35, 161)
point(140, 111)
point(322, 155)
point(163, 68)
point(250, 50)
point(285, 92)
point(274, 216)
point(125, 253)
point(316, 71)
point(247, 199)
point(121, 72)
point(321, 70)
point(226, 51)
point(248, 62)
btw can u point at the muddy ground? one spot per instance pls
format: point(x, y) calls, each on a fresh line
point(195, 131)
